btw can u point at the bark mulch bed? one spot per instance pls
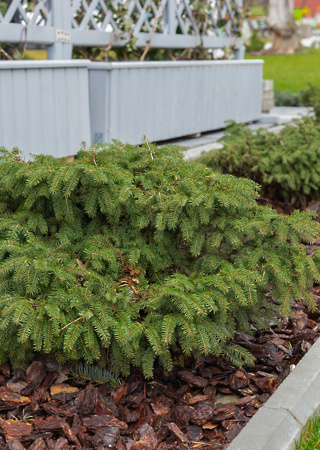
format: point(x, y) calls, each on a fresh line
point(201, 406)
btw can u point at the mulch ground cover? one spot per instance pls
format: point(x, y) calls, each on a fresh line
point(203, 405)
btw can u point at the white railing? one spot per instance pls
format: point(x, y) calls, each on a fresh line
point(61, 24)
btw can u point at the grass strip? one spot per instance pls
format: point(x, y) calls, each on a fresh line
point(310, 436)
point(292, 72)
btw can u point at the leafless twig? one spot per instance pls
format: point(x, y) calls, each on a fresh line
point(153, 30)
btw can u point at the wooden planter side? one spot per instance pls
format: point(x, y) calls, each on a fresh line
point(51, 107)
point(166, 100)
point(44, 106)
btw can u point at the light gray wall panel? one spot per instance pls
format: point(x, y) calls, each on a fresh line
point(35, 111)
point(99, 95)
point(49, 112)
point(84, 110)
point(6, 109)
point(21, 116)
point(44, 106)
point(165, 100)
point(73, 107)
point(62, 117)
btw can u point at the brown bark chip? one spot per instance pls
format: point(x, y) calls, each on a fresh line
point(14, 444)
point(239, 380)
point(11, 400)
point(63, 391)
point(96, 422)
point(177, 432)
point(141, 445)
point(159, 409)
point(39, 444)
point(36, 373)
point(190, 378)
point(60, 444)
point(105, 438)
point(17, 387)
point(50, 423)
point(87, 400)
point(146, 434)
point(70, 435)
point(5, 370)
point(13, 429)
point(202, 412)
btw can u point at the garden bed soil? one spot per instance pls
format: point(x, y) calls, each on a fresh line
point(202, 405)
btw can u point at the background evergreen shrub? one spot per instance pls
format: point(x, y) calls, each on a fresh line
point(286, 98)
point(256, 44)
point(311, 97)
point(130, 254)
point(307, 97)
point(285, 164)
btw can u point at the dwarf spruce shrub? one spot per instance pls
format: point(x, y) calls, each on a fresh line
point(129, 254)
point(286, 164)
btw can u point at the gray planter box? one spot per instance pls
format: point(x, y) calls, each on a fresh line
point(165, 100)
point(44, 106)
point(51, 107)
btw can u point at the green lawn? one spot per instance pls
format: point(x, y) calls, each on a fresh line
point(310, 437)
point(291, 72)
point(257, 11)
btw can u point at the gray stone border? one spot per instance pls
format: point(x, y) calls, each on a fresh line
point(277, 424)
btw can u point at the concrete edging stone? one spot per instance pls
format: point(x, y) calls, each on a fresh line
point(278, 424)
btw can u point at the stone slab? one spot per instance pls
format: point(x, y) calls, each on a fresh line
point(267, 104)
point(267, 85)
point(268, 95)
point(204, 139)
point(300, 391)
point(269, 429)
point(258, 125)
point(295, 111)
point(198, 151)
point(269, 118)
point(272, 121)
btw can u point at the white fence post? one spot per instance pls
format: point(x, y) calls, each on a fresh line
point(61, 21)
point(171, 16)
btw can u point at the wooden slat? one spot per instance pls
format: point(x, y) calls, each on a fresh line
point(36, 143)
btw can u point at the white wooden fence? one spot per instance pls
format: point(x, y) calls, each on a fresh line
point(61, 24)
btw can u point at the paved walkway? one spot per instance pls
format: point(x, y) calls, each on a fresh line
point(273, 121)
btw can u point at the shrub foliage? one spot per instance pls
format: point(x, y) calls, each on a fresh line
point(311, 97)
point(286, 98)
point(129, 254)
point(284, 164)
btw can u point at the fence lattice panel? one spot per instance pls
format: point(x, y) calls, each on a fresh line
point(173, 17)
point(156, 23)
point(22, 12)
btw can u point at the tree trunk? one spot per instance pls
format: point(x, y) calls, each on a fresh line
point(282, 28)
